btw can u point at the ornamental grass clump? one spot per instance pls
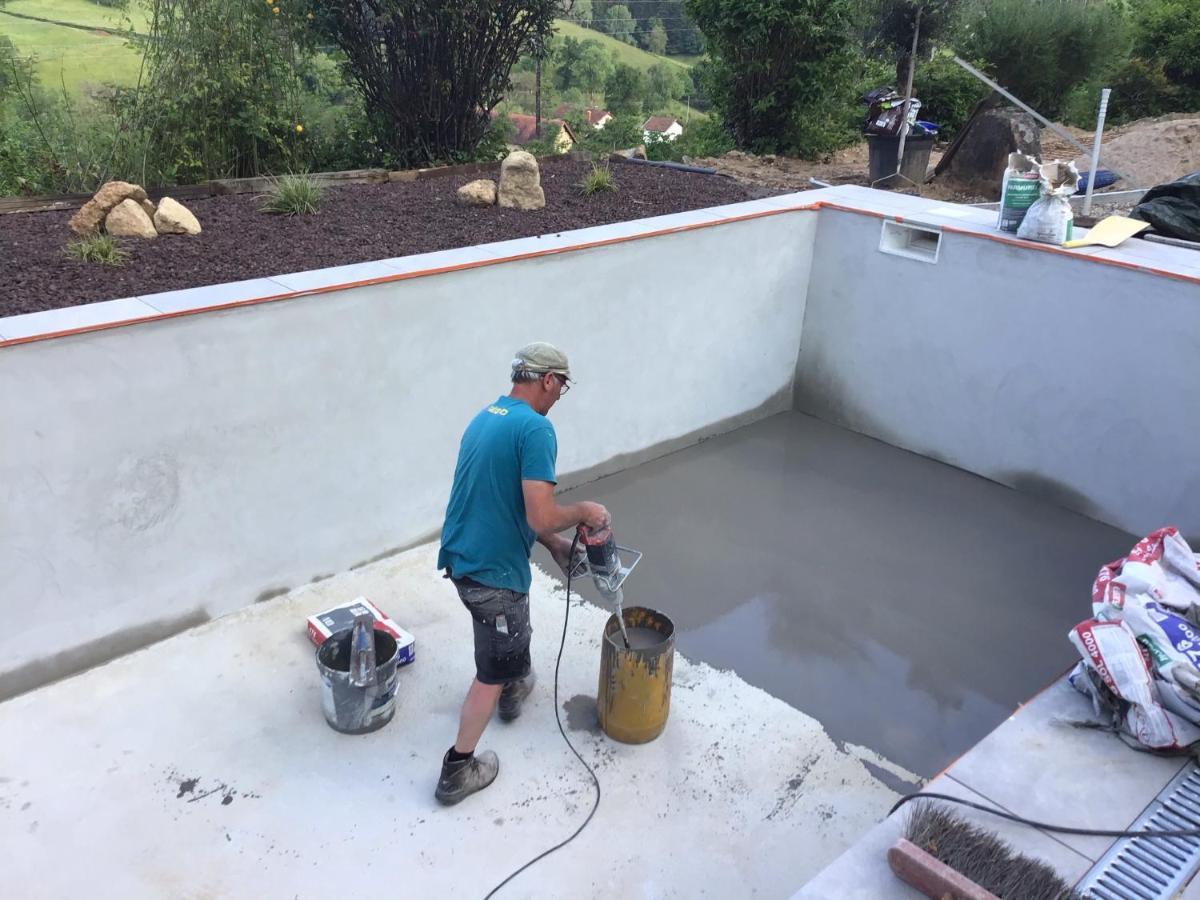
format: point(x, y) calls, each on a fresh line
point(597, 181)
point(98, 248)
point(293, 195)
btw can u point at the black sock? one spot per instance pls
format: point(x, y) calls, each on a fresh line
point(455, 757)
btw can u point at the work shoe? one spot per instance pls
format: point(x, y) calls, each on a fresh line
point(461, 779)
point(514, 695)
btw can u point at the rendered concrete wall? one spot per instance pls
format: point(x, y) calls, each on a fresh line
point(1054, 375)
point(160, 474)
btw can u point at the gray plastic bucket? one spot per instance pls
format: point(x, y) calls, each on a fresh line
point(882, 152)
point(350, 709)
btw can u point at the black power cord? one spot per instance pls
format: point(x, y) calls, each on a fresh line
point(558, 719)
point(1061, 829)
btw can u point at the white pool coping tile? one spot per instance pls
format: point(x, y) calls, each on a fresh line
point(53, 321)
point(215, 295)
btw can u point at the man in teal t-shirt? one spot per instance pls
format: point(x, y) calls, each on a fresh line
point(501, 502)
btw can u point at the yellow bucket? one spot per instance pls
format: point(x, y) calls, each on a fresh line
point(634, 697)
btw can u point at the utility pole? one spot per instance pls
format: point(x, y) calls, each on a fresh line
point(539, 52)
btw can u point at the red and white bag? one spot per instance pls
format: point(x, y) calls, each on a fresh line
point(1141, 651)
point(1121, 683)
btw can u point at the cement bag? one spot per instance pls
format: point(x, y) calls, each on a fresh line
point(1049, 220)
point(1171, 649)
point(1114, 674)
point(1019, 190)
point(1155, 591)
point(1161, 568)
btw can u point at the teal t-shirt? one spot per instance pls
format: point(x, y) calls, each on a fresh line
point(486, 536)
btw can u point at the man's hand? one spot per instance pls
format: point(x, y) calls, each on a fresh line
point(560, 551)
point(595, 516)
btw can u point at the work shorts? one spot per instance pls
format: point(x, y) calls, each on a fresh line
point(502, 630)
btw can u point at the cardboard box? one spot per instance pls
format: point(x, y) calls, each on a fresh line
point(341, 618)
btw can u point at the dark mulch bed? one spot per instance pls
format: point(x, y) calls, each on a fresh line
point(356, 223)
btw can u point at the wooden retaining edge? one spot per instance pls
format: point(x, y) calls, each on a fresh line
point(931, 876)
point(228, 186)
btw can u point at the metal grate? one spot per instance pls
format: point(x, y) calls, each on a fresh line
point(1152, 868)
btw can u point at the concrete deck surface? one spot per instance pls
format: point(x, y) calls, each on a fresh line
point(907, 605)
point(1034, 765)
point(201, 767)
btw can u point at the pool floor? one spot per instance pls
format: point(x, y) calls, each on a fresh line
point(907, 605)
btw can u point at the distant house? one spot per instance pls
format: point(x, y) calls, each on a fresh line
point(525, 130)
point(597, 118)
point(663, 127)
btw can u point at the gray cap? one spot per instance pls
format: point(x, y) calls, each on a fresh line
point(541, 357)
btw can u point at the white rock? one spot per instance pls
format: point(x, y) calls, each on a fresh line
point(481, 192)
point(520, 182)
point(128, 219)
point(173, 217)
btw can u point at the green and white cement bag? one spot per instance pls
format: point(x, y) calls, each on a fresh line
point(1050, 220)
point(1019, 190)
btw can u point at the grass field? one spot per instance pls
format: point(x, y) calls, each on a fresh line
point(74, 57)
point(626, 53)
point(82, 58)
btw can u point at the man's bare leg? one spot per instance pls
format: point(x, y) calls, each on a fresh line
point(476, 713)
point(467, 773)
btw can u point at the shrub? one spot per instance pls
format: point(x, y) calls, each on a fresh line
point(1041, 49)
point(888, 29)
point(947, 93)
point(1167, 32)
point(620, 133)
point(701, 138)
point(97, 248)
point(780, 70)
point(429, 72)
point(220, 93)
point(1139, 89)
point(598, 181)
point(293, 195)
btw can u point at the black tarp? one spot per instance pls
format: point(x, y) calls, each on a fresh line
point(1173, 209)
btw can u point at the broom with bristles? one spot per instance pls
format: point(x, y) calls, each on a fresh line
point(944, 856)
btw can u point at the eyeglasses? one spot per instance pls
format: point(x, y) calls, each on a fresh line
point(562, 381)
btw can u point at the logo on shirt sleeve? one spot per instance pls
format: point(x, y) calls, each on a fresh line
point(497, 410)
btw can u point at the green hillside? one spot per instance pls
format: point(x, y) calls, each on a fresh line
point(85, 56)
point(626, 53)
point(74, 57)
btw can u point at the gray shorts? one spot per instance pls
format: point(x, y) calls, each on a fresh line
point(502, 631)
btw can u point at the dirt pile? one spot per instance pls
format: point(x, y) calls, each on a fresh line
point(1151, 151)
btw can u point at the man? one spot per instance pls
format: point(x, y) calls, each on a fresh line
point(501, 501)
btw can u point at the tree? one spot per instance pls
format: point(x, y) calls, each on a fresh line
point(1168, 32)
point(619, 22)
point(778, 67)
point(595, 65)
point(1040, 51)
point(625, 90)
point(665, 83)
point(581, 12)
point(430, 72)
point(619, 133)
point(15, 70)
point(889, 29)
point(655, 37)
point(219, 97)
point(568, 58)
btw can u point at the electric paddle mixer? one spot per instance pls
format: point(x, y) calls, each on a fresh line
point(603, 560)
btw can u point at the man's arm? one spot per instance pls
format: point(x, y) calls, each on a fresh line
point(547, 517)
point(542, 510)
